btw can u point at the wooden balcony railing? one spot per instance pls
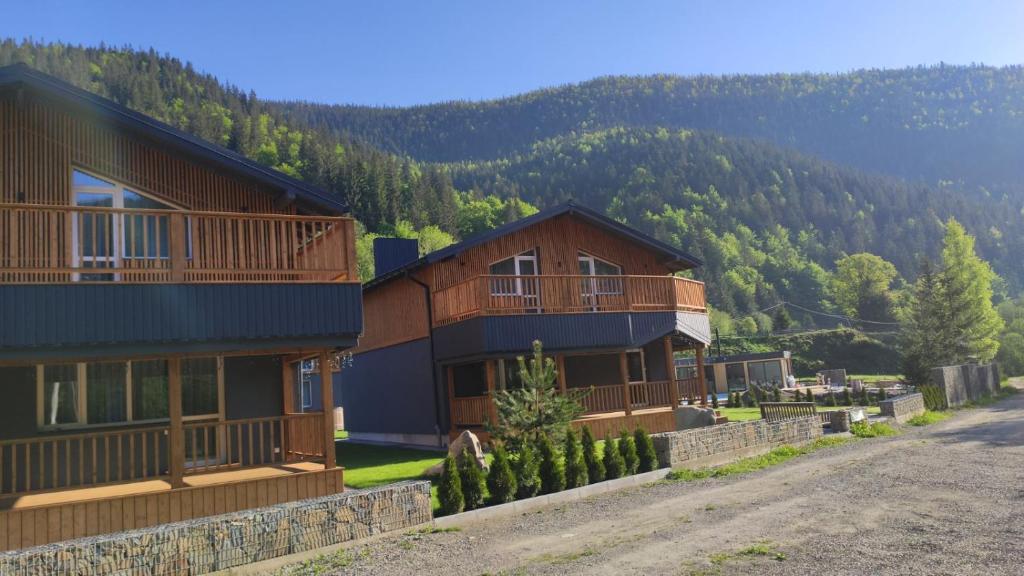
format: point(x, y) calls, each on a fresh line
point(48, 463)
point(473, 411)
point(53, 244)
point(214, 446)
point(497, 295)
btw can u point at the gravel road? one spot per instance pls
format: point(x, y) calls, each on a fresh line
point(944, 499)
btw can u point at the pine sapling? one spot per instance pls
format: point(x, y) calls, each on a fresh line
point(527, 473)
point(501, 480)
point(614, 466)
point(552, 471)
point(595, 466)
point(645, 450)
point(714, 401)
point(472, 480)
point(627, 447)
point(846, 397)
point(450, 490)
point(575, 467)
point(864, 400)
point(776, 395)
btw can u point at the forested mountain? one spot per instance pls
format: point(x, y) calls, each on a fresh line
point(661, 153)
point(940, 124)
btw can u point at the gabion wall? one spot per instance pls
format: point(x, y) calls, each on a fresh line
point(219, 542)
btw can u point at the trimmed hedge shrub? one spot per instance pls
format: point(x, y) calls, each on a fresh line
point(645, 450)
point(627, 447)
point(575, 467)
point(450, 490)
point(501, 480)
point(614, 466)
point(472, 479)
point(527, 473)
point(595, 466)
point(552, 471)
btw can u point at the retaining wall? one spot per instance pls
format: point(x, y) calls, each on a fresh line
point(966, 382)
point(220, 542)
point(722, 443)
point(902, 408)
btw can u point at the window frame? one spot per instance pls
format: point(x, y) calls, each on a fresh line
point(81, 371)
point(597, 287)
point(116, 191)
point(517, 260)
point(643, 365)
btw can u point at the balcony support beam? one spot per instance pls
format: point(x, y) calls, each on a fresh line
point(560, 367)
point(176, 433)
point(700, 375)
point(670, 372)
point(327, 399)
point(627, 403)
point(492, 408)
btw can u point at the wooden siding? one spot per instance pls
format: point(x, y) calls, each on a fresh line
point(558, 242)
point(653, 421)
point(393, 314)
point(44, 524)
point(41, 143)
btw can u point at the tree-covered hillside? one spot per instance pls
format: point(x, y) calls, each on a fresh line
point(769, 222)
point(959, 125)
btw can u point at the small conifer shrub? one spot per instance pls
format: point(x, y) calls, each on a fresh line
point(575, 467)
point(501, 480)
point(527, 473)
point(614, 466)
point(472, 479)
point(450, 490)
point(595, 466)
point(627, 447)
point(645, 450)
point(552, 470)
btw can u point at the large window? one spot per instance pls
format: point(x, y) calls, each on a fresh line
point(636, 366)
point(103, 393)
point(524, 264)
point(735, 377)
point(602, 275)
point(768, 373)
point(105, 240)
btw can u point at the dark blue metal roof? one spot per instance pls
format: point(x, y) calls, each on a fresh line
point(393, 253)
point(674, 256)
point(165, 134)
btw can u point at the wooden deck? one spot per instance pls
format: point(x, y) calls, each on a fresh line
point(652, 420)
point(36, 519)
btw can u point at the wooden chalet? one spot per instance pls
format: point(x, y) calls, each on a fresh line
point(443, 331)
point(156, 293)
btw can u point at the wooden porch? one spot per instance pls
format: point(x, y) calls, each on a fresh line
point(90, 482)
point(489, 295)
point(606, 408)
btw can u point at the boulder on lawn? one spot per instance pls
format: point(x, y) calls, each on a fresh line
point(694, 417)
point(466, 440)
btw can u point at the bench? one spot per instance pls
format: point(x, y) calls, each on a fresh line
point(775, 411)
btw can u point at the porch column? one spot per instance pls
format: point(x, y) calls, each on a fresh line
point(327, 399)
point(670, 371)
point(492, 408)
point(288, 402)
point(624, 374)
point(176, 436)
point(560, 366)
point(451, 401)
point(700, 375)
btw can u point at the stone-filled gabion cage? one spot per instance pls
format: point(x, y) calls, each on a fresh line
point(216, 543)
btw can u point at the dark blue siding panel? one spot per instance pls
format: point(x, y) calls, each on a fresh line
point(54, 319)
point(390, 390)
point(515, 334)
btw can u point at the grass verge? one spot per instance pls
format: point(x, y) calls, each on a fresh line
point(864, 430)
point(929, 417)
point(776, 456)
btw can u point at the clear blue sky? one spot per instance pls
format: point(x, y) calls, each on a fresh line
point(417, 51)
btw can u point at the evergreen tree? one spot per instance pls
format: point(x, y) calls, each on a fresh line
point(575, 467)
point(797, 396)
point(471, 479)
point(881, 393)
point(967, 287)
point(845, 395)
point(781, 320)
point(527, 470)
point(627, 447)
point(501, 480)
point(648, 458)
point(776, 395)
point(864, 401)
point(537, 408)
point(595, 466)
point(450, 491)
point(714, 401)
point(552, 470)
point(614, 465)
point(830, 399)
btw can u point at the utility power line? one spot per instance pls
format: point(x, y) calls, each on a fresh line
point(829, 315)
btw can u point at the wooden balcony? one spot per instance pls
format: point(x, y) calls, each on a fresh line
point(58, 244)
point(502, 295)
point(473, 411)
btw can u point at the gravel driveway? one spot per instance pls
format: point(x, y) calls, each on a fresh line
point(945, 499)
